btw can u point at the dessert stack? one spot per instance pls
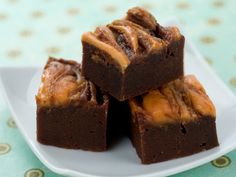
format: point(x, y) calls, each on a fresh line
point(131, 79)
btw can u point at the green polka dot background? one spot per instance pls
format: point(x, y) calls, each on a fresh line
point(11, 123)
point(221, 162)
point(30, 32)
point(4, 148)
point(34, 173)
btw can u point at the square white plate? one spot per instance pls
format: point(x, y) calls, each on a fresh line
point(19, 86)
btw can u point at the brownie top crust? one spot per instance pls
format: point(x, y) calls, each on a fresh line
point(137, 34)
point(62, 84)
point(182, 100)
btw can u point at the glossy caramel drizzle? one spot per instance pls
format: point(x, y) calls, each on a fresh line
point(123, 39)
point(61, 84)
point(182, 100)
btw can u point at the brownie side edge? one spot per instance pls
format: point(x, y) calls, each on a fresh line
point(105, 75)
point(73, 127)
point(145, 73)
point(154, 70)
point(172, 141)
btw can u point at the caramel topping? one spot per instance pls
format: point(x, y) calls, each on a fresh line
point(182, 100)
point(61, 83)
point(141, 36)
point(142, 17)
point(137, 34)
point(200, 101)
point(117, 55)
point(178, 106)
point(172, 33)
point(192, 81)
point(129, 33)
point(105, 35)
point(125, 22)
point(150, 43)
point(158, 106)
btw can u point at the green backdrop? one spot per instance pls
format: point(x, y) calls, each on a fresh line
point(32, 30)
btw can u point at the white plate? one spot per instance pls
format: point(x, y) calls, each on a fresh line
point(19, 85)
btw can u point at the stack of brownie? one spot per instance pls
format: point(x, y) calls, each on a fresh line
point(131, 79)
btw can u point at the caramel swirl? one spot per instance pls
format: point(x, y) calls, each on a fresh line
point(142, 17)
point(116, 54)
point(182, 100)
point(61, 83)
point(137, 34)
point(143, 37)
point(129, 33)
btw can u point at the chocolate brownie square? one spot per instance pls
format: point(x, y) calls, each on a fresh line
point(71, 111)
point(133, 55)
point(173, 121)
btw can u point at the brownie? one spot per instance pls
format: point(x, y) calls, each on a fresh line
point(176, 120)
point(71, 111)
point(118, 124)
point(133, 55)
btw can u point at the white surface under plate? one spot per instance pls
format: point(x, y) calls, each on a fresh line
point(19, 86)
